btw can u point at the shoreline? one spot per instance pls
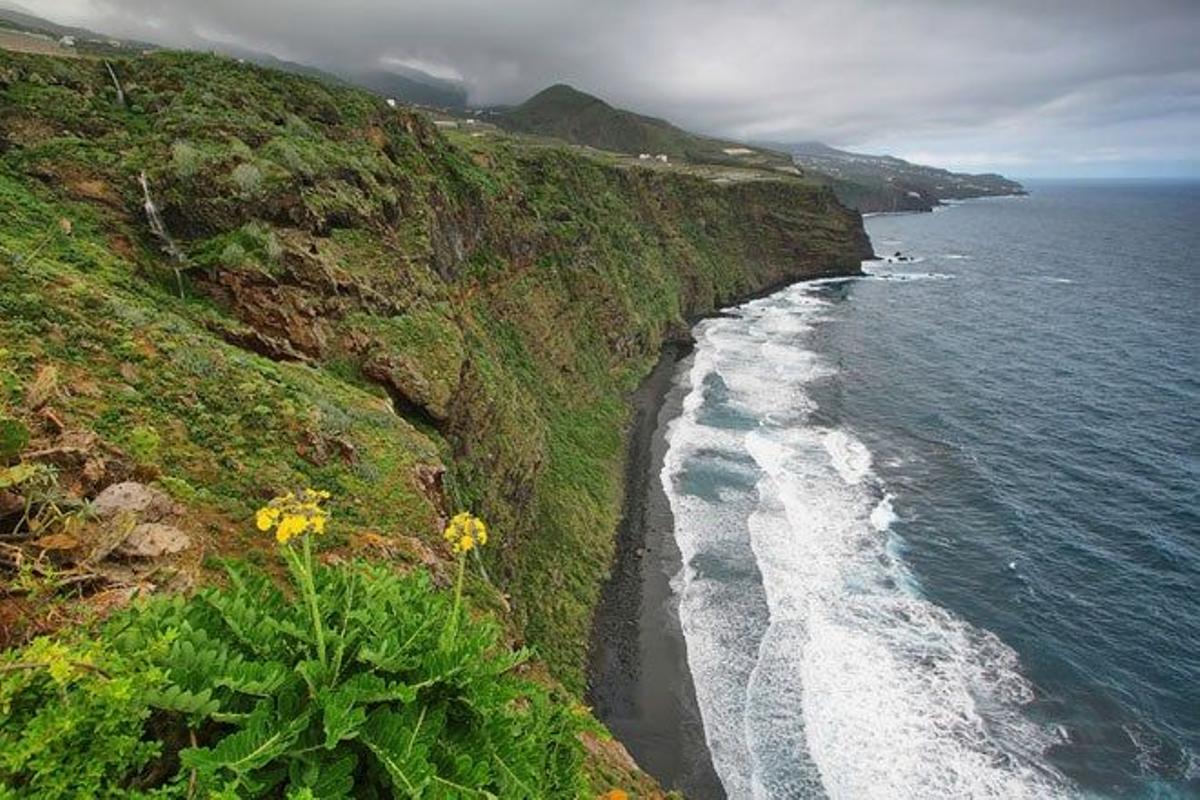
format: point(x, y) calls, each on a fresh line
point(639, 683)
point(638, 680)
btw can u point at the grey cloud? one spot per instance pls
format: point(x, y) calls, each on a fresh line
point(1025, 77)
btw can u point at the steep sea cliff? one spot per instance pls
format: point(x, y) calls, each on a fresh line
point(354, 301)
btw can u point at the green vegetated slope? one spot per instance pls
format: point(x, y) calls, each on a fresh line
point(566, 113)
point(359, 305)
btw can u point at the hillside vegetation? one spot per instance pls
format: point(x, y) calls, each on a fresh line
point(222, 283)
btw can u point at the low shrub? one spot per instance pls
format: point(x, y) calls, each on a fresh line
point(143, 444)
point(349, 681)
point(71, 728)
point(14, 436)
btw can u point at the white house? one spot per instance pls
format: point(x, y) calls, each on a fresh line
point(643, 156)
point(391, 101)
point(662, 157)
point(67, 41)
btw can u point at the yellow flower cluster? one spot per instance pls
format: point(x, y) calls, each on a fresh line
point(465, 532)
point(294, 515)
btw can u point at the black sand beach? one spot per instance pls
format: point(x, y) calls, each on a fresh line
point(639, 683)
point(639, 679)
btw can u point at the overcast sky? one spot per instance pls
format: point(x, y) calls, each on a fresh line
point(1025, 87)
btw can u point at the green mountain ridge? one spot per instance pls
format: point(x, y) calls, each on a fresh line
point(408, 86)
point(411, 86)
point(865, 183)
point(563, 112)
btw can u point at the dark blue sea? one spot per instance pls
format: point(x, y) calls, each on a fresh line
point(941, 524)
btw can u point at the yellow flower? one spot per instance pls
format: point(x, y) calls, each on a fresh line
point(291, 525)
point(266, 518)
point(465, 532)
point(291, 515)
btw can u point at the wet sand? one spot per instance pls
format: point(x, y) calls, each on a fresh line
point(639, 679)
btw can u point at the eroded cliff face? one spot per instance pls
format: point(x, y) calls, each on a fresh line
point(415, 323)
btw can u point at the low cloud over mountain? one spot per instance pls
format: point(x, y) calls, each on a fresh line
point(1095, 86)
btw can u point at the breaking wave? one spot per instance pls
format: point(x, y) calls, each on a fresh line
point(820, 669)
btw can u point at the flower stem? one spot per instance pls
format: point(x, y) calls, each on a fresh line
point(452, 628)
point(310, 590)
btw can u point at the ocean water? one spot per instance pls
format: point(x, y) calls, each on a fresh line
point(941, 524)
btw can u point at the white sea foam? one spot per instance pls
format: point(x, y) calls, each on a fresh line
point(884, 514)
point(956, 257)
point(820, 670)
point(901, 259)
point(900, 698)
point(721, 623)
point(874, 271)
point(850, 457)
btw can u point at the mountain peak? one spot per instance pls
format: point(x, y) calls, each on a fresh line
point(562, 97)
point(563, 112)
point(563, 90)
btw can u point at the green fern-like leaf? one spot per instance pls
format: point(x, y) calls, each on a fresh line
point(335, 779)
point(342, 716)
point(401, 742)
point(395, 709)
point(264, 737)
point(256, 678)
point(253, 623)
point(197, 705)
